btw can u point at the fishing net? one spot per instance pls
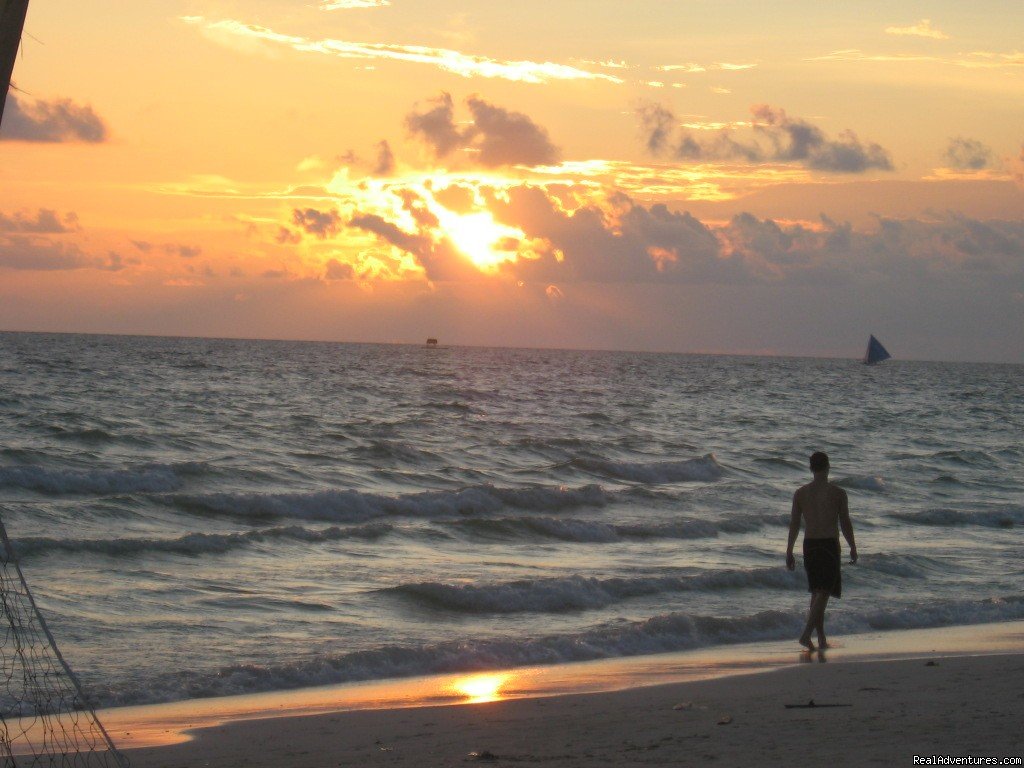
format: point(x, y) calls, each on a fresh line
point(45, 719)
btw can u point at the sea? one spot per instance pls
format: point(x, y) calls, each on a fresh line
point(203, 517)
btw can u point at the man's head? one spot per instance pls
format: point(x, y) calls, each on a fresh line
point(819, 462)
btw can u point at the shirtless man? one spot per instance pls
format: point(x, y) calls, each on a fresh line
point(824, 510)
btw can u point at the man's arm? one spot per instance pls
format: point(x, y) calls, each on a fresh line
point(794, 531)
point(846, 525)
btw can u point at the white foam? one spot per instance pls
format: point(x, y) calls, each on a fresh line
point(864, 483)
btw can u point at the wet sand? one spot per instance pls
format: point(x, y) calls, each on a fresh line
point(935, 702)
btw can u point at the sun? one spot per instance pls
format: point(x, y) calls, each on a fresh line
point(484, 241)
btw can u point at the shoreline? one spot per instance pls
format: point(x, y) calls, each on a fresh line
point(169, 728)
point(882, 712)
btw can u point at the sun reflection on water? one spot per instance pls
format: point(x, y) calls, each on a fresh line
point(482, 688)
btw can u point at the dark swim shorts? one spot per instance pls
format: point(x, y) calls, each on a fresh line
point(821, 561)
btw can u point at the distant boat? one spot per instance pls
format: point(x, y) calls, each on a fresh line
point(431, 342)
point(875, 353)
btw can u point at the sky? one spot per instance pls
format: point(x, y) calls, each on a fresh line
point(713, 176)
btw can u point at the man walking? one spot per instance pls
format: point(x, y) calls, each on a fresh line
point(823, 508)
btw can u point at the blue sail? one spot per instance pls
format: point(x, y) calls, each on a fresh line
point(876, 353)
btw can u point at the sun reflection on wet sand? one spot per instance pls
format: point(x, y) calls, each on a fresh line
point(482, 688)
point(160, 724)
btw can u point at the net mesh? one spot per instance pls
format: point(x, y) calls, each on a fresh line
point(45, 719)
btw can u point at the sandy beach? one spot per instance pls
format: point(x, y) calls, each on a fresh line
point(940, 703)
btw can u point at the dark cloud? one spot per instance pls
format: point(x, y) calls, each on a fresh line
point(287, 236)
point(60, 120)
point(31, 254)
point(1016, 166)
point(142, 245)
point(616, 239)
point(415, 244)
point(967, 154)
point(657, 124)
point(321, 224)
point(436, 126)
point(437, 256)
point(385, 164)
point(46, 221)
point(336, 270)
point(497, 136)
point(184, 251)
point(508, 138)
point(622, 241)
point(793, 139)
point(778, 138)
point(115, 262)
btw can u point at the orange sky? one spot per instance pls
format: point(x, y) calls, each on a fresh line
point(689, 176)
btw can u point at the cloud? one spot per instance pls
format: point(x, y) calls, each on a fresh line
point(973, 60)
point(508, 138)
point(436, 126)
point(320, 224)
point(692, 69)
point(497, 136)
point(967, 154)
point(795, 139)
point(334, 5)
point(455, 62)
point(46, 221)
point(385, 165)
point(29, 254)
point(607, 237)
point(59, 120)
point(782, 139)
point(1016, 166)
point(336, 270)
point(184, 251)
point(923, 28)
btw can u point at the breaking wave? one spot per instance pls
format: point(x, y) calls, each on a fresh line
point(146, 478)
point(579, 592)
point(1004, 517)
point(356, 506)
point(592, 531)
point(864, 483)
point(704, 469)
point(196, 543)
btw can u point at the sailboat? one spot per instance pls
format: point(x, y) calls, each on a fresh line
point(12, 21)
point(875, 353)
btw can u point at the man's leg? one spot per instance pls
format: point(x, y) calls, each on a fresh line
point(815, 617)
point(819, 625)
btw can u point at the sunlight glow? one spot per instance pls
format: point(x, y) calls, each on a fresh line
point(480, 238)
point(482, 688)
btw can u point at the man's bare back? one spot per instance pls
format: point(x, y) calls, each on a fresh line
point(821, 504)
